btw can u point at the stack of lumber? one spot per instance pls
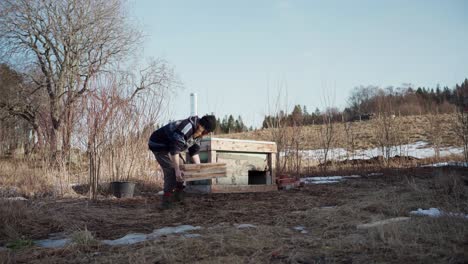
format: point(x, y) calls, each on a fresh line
point(203, 171)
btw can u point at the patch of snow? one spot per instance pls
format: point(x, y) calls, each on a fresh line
point(126, 240)
point(53, 243)
point(419, 149)
point(15, 199)
point(192, 235)
point(172, 230)
point(326, 179)
point(435, 212)
point(382, 222)
point(447, 164)
point(301, 229)
point(328, 207)
point(321, 182)
point(375, 174)
point(244, 226)
point(56, 240)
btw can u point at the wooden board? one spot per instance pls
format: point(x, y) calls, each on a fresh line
point(243, 188)
point(236, 145)
point(202, 166)
point(204, 171)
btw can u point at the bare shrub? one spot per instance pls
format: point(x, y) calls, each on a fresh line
point(327, 134)
point(279, 132)
point(350, 138)
point(386, 133)
point(327, 131)
point(434, 129)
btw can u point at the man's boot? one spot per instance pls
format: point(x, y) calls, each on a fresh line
point(179, 193)
point(179, 196)
point(166, 201)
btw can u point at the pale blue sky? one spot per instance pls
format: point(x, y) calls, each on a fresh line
point(236, 54)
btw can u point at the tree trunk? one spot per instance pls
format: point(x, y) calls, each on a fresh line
point(56, 147)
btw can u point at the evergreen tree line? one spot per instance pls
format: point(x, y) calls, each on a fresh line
point(367, 101)
point(229, 124)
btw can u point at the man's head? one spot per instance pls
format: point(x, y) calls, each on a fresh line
point(206, 125)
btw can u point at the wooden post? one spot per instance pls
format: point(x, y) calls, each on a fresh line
point(212, 159)
point(272, 166)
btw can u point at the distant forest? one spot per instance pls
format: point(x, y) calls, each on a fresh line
point(368, 101)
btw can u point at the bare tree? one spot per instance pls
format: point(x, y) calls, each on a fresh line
point(434, 128)
point(386, 134)
point(277, 124)
point(461, 123)
point(461, 130)
point(327, 134)
point(70, 41)
point(350, 134)
point(327, 129)
point(19, 99)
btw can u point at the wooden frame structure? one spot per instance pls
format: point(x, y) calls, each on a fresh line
point(251, 166)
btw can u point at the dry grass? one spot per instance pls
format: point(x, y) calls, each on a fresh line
point(410, 239)
point(21, 178)
point(412, 129)
point(83, 238)
point(35, 179)
point(25, 220)
point(332, 234)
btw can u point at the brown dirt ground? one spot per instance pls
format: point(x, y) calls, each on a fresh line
point(332, 234)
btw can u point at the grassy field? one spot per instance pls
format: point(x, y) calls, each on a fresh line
point(329, 213)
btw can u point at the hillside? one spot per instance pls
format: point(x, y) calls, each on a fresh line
point(406, 130)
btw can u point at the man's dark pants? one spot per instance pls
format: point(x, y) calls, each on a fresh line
point(170, 182)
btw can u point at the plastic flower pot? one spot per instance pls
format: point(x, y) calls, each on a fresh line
point(122, 189)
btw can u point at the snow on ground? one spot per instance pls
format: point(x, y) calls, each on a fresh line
point(14, 198)
point(244, 226)
point(445, 164)
point(59, 241)
point(53, 243)
point(435, 212)
point(326, 179)
point(301, 229)
point(419, 149)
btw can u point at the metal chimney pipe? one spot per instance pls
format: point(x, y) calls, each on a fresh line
point(193, 104)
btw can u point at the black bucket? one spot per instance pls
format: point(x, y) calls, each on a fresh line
point(122, 189)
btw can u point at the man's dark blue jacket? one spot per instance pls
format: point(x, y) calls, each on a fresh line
point(176, 137)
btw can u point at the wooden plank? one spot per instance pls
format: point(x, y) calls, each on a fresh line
point(203, 171)
point(235, 145)
point(202, 166)
point(195, 174)
point(203, 177)
point(243, 188)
